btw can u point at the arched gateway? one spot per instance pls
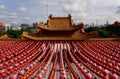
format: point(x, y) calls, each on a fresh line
point(59, 28)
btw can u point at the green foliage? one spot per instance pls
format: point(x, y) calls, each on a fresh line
point(28, 29)
point(103, 33)
point(14, 33)
point(91, 29)
point(113, 29)
point(1, 33)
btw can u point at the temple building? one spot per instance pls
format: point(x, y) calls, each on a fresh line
point(59, 28)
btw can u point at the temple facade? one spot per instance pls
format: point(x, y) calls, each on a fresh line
point(59, 28)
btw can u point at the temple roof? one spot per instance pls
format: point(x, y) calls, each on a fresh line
point(57, 28)
point(60, 24)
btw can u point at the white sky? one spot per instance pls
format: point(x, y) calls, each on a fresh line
point(87, 11)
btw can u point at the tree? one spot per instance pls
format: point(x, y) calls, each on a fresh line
point(14, 33)
point(91, 29)
point(103, 33)
point(113, 29)
point(28, 29)
point(1, 33)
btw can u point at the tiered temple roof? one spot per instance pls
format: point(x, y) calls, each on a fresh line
point(59, 24)
point(59, 28)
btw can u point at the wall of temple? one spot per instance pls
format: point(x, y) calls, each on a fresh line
point(59, 22)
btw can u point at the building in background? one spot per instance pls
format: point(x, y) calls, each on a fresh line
point(24, 26)
point(7, 27)
point(15, 28)
point(107, 23)
point(1, 24)
point(86, 25)
point(2, 28)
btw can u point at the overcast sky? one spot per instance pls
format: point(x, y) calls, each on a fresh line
point(87, 11)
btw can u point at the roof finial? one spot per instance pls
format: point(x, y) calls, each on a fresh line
point(50, 16)
point(69, 15)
